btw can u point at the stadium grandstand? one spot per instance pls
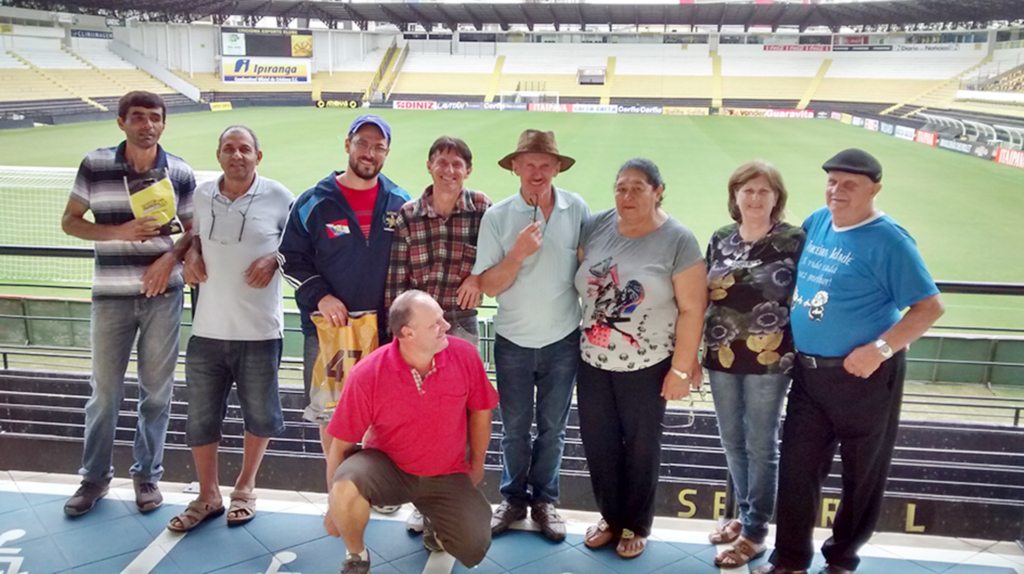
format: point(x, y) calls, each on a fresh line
point(945, 73)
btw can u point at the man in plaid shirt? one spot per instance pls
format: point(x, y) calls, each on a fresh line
point(434, 247)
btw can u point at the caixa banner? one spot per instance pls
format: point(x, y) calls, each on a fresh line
point(265, 70)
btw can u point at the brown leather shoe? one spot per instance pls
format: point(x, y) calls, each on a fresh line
point(147, 496)
point(551, 524)
point(505, 515)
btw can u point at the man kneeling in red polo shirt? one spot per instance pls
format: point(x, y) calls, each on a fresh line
point(413, 395)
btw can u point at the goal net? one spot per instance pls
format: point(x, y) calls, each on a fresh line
point(32, 201)
point(529, 97)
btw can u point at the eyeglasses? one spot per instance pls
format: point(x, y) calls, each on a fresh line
point(213, 218)
point(378, 149)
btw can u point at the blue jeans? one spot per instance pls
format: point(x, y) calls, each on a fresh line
point(212, 366)
point(749, 409)
point(115, 323)
point(533, 465)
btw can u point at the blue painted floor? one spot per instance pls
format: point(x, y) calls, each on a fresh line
point(37, 538)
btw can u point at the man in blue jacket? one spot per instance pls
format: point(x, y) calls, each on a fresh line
point(337, 244)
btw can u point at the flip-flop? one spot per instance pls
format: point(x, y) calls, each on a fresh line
point(628, 536)
point(599, 535)
point(243, 506)
point(740, 553)
point(726, 534)
point(194, 514)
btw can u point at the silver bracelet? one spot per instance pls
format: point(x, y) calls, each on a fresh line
point(680, 374)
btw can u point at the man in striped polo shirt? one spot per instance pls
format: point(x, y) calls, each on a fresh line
point(137, 289)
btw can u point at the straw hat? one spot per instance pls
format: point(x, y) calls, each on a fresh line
point(536, 141)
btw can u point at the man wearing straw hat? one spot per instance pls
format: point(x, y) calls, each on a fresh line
point(526, 258)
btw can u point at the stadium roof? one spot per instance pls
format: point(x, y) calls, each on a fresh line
point(450, 15)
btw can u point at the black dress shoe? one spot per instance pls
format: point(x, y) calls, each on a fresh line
point(769, 568)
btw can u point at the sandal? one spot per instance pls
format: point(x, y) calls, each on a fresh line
point(629, 538)
point(598, 535)
point(726, 534)
point(242, 508)
point(194, 514)
point(740, 553)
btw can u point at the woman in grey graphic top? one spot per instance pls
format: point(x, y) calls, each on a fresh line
point(643, 286)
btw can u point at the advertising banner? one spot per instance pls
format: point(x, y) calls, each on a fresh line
point(1012, 157)
point(475, 106)
point(797, 48)
point(957, 146)
point(684, 111)
point(94, 34)
point(887, 128)
point(594, 109)
point(744, 112)
point(871, 124)
point(857, 122)
point(452, 105)
point(838, 116)
point(822, 115)
point(265, 70)
point(414, 105)
point(509, 107)
point(874, 48)
point(927, 47)
point(652, 110)
point(905, 133)
point(267, 42)
point(350, 104)
point(543, 107)
point(926, 138)
point(799, 114)
point(846, 119)
point(220, 106)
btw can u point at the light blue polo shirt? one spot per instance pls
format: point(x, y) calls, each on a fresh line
point(542, 305)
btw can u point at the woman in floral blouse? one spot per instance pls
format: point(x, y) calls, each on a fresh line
point(748, 347)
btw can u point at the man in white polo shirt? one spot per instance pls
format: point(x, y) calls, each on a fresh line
point(238, 323)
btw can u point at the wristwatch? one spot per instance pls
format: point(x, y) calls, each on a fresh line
point(884, 349)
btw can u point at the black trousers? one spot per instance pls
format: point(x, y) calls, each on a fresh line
point(620, 423)
point(830, 407)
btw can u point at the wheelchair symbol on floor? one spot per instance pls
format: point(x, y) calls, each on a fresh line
point(277, 561)
point(15, 561)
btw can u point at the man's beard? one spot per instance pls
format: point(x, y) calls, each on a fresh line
point(360, 172)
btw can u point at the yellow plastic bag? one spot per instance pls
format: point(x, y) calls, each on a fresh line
point(340, 349)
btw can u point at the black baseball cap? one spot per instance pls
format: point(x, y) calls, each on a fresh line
point(855, 161)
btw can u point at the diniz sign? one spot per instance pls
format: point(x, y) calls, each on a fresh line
point(1012, 157)
point(407, 105)
point(926, 138)
point(545, 107)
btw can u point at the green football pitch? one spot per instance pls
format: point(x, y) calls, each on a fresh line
point(964, 213)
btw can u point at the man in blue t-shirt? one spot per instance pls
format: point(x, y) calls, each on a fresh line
point(858, 271)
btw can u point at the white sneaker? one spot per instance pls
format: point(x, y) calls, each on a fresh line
point(386, 509)
point(414, 523)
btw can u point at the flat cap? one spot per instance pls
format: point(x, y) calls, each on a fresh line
point(855, 161)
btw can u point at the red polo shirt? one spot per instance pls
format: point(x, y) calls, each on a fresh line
point(423, 432)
